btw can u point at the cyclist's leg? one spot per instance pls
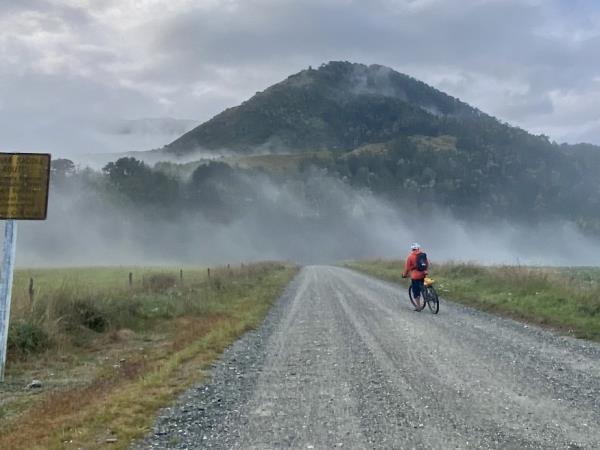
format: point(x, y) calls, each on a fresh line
point(422, 291)
point(417, 288)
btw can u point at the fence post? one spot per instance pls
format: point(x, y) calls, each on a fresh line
point(130, 280)
point(208, 272)
point(31, 293)
point(181, 275)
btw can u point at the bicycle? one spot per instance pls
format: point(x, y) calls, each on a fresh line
point(429, 295)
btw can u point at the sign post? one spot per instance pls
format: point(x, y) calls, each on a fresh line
point(24, 180)
point(8, 263)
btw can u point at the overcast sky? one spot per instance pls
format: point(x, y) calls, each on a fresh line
point(72, 71)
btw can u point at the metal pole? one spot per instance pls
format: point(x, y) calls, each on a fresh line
point(6, 281)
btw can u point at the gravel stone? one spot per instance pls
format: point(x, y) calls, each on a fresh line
point(35, 384)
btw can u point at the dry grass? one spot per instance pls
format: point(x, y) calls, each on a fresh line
point(110, 384)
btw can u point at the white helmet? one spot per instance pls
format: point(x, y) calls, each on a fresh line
point(415, 246)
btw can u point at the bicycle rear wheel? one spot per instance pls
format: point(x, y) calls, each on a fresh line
point(432, 300)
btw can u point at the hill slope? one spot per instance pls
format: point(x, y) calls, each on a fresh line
point(401, 138)
point(339, 106)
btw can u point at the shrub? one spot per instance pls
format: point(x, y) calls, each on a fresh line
point(159, 282)
point(90, 316)
point(25, 338)
point(75, 313)
point(217, 283)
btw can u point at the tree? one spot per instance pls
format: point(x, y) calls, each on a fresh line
point(61, 169)
point(140, 183)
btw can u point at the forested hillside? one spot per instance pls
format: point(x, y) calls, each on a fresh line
point(402, 139)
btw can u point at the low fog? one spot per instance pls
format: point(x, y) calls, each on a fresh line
point(320, 221)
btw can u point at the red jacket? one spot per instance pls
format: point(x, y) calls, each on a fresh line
point(411, 266)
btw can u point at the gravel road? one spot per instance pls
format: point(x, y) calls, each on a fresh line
point(343, 361)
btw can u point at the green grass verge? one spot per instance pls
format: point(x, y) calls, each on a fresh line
point(105, 384)
point(69, 305)
point(566, 299)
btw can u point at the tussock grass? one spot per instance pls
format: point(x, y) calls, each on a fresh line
point(68, 304)
point(27, 338)
point(565, 299)
point(115, 354)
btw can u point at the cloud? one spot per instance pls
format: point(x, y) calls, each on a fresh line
point(69, 63)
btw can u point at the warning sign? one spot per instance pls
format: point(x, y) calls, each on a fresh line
point(24, 179)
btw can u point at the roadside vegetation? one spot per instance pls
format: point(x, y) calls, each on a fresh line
point(109, 353)
point(565, 299)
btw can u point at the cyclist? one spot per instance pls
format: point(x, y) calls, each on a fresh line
point(417, 275)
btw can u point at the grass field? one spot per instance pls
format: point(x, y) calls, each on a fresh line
point(109, 355)
point(565, 299)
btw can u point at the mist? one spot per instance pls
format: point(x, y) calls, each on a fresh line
point(320, 220)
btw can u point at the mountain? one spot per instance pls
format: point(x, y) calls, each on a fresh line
point(338, 106)
point(377, 129)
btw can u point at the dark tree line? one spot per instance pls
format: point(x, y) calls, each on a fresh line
point(480, 170)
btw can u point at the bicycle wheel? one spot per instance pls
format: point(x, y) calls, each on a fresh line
point(410, 296)
point(412, 300)
point(432, 300)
